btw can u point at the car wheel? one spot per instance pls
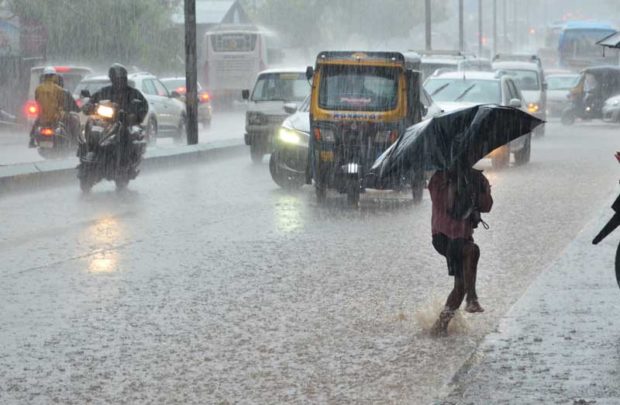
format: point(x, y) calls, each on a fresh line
point(523, 156)
point(568, 117)
point(181, 134)
point(501, 158)
point(288, 181)
point(151, 131)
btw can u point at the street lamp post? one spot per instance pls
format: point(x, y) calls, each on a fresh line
point(461, 27)
point(494, 27)
point(480, 28)
point(427, 19)
point(191, 73)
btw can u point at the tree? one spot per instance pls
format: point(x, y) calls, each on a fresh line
point(103, 31)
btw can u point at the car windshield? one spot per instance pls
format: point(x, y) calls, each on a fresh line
point(281, 87)
point(465, 90)
point(524, 79)
point(91, 85)
point(564, 82)
point(428, 68)
point(358, 88)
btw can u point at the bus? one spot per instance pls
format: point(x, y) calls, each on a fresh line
point(234, 55)
point(577, 46)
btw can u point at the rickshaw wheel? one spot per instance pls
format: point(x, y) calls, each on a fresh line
point(618, 265)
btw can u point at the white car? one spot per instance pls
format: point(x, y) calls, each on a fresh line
point(530, 79)
point(166, 116)
point(455, 90)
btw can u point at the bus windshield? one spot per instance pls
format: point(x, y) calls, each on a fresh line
point(233, 42)
point(358, 88)
point(281, 87)
point(581, 43)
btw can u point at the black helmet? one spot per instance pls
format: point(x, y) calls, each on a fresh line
point(118, 75)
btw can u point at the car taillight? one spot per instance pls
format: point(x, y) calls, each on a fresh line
point(31, 109)
point(47, 132)
point(62, 69)
point(181, 90)
point(79, 102)
point(204, 97)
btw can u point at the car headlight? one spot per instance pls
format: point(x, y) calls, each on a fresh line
point(290, 136)
point(533, 107)
point(615, 102)
point(255, 118)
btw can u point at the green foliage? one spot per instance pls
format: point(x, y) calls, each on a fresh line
point(102, 31)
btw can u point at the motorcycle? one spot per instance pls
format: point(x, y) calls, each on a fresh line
point(611, 225)
point(110, 149)
point(53, 140)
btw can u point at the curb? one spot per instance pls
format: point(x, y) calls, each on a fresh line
point(52, 172)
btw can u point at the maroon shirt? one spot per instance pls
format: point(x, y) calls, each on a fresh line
point(442, 192)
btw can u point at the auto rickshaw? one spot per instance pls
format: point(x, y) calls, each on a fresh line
point(361, 103)
point(595, 85)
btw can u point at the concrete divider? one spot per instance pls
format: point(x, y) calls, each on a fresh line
point(52, 172)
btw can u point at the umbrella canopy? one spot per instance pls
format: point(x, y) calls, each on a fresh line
point(458, 138)
point(611, 41)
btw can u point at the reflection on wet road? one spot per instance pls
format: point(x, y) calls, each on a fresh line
point(209, 284)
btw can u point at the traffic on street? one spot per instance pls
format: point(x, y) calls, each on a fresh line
point(277, 202)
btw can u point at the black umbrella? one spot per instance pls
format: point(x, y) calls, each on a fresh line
point(457, 138)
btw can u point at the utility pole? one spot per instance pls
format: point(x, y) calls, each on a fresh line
point(427, 19)
point(461, 27)
point(494, 28)
point(191, 73)
point(505, 24)
point(480, 28)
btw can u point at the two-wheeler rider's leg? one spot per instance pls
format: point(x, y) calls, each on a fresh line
point(72, 123)
point(31, 143)
point(471, 255)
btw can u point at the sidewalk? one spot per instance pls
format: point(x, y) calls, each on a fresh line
point(560, 343)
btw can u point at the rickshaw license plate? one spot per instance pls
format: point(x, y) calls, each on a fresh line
point(46, 144)
point(327, 155)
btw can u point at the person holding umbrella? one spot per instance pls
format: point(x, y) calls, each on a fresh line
point(458, 197)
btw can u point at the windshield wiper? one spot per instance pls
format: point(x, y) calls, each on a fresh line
point(440, 89)
point(464, 93)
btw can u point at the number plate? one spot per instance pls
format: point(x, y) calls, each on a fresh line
point(46, 144)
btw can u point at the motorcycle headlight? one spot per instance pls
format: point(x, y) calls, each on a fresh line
point(533, 107)
point(255, 118)
point(105, 111)
point(289, 136)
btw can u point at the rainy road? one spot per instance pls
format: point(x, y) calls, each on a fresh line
point(208, 284)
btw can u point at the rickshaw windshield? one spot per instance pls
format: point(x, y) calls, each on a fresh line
point(358, 88)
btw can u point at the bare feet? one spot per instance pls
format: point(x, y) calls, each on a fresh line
point(473, 307)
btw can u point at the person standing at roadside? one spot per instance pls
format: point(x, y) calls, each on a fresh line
point(458, 197)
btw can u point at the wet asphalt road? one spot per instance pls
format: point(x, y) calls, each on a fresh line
point(208, 284)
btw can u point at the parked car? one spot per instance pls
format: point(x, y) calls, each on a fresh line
point(166, 116)
point(265, 111)
point(454, 90)
point(559, 85)
point(205, 110)
point(530, 79)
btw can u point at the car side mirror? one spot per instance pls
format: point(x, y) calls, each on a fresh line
point(290, 108)
point(515, 102)
point(175, 94)
point(245, 94)
point(545, 86)
point(85, 93)
point(309, 72)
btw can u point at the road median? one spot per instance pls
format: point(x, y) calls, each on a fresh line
point(52, 172)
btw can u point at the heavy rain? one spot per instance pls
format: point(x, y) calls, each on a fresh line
point(283, 201)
